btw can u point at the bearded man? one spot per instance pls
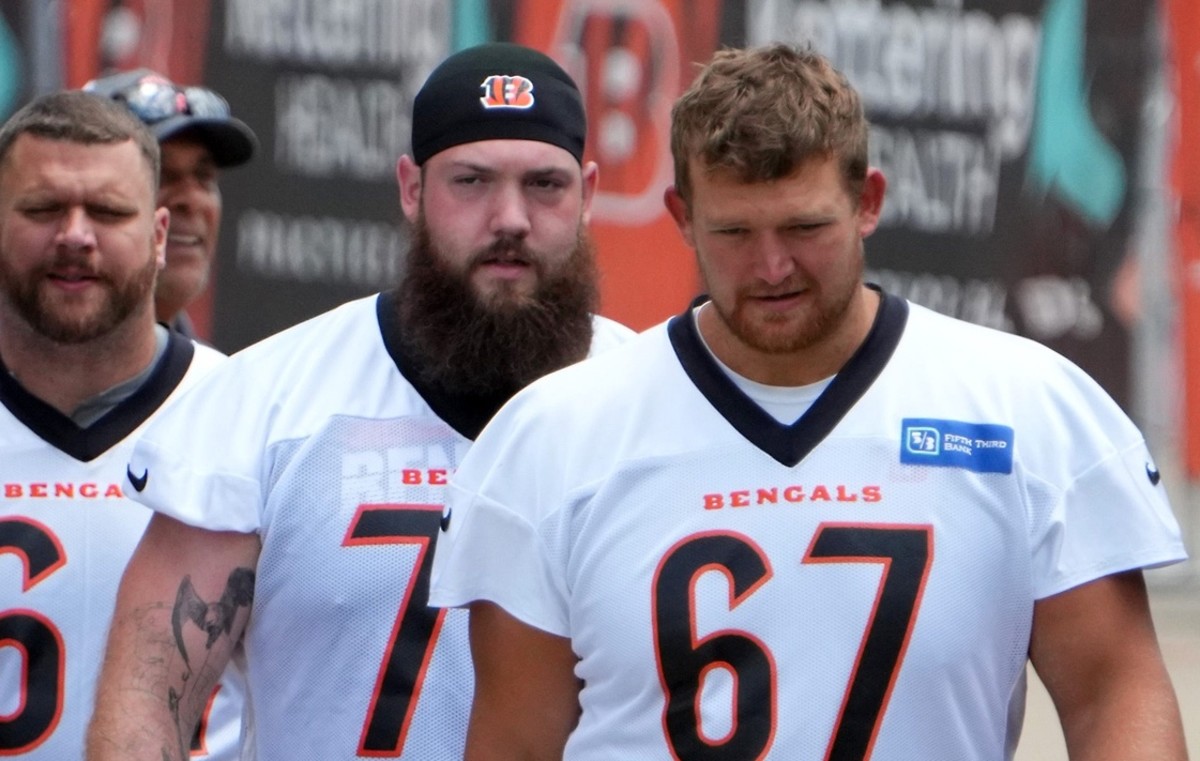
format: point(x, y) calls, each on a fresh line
point(300, 525)
point(83, 368)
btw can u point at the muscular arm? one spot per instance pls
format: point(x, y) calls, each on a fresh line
point(181, 608)
point(526, 692)
point(1095, 649)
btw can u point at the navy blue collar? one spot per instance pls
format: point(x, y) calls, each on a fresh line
point(85, 444)
point(789, 444)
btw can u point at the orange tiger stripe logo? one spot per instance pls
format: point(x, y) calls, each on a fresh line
point(501, 91)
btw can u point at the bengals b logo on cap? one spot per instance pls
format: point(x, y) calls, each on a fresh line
point(501, 91)
point(466, 98)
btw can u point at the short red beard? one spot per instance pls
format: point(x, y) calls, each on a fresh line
point(26, 295)
point(761, 335)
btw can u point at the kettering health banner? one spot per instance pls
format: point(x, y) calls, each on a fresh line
point(1008, 129)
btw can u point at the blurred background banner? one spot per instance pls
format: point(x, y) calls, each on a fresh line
point(632, 59)
point(1183, 22)
point(315, 219)
point(12, 55)
point(1010, 131)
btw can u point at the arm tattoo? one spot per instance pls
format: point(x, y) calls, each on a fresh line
point(214, 619)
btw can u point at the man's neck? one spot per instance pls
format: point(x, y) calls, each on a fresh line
point(65, 376)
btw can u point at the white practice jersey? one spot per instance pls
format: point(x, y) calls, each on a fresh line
point(859, 584)
point(67, 530)
point(315, 440)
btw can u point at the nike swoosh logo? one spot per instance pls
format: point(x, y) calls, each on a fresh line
point(139, 482)
point(446, 520)
point(1153, 474)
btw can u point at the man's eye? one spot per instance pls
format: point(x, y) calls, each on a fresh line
point(108, 213)
point(806, 227)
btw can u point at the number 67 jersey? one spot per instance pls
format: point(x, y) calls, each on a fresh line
point(859, 584)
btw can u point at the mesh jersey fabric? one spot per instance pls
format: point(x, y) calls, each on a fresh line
point(316, 441)
point(840, 587)
point(67, 530)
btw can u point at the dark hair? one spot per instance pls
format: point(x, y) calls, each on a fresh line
point(80, 117)
point(762, 112)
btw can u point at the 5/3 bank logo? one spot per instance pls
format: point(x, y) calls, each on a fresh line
point(978, 447)
point(923, 441)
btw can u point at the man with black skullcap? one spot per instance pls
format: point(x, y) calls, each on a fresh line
point(198, 137)
point(299, 531)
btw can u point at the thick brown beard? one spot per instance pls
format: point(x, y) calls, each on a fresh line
point(124, 298)
point(465, 346)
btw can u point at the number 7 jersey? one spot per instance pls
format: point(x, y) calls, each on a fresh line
point(859, 584)
point(317, 441)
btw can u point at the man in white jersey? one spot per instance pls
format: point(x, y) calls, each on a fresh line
point(84, 368)
point(805, 519)
point(301, 522)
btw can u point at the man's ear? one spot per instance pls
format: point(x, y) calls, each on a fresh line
point(870, 201)
point(677, 207)
point(591, 181)
point(408, 176)
point(162, 225)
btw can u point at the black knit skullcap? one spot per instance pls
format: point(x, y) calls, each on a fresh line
point(497, 91)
